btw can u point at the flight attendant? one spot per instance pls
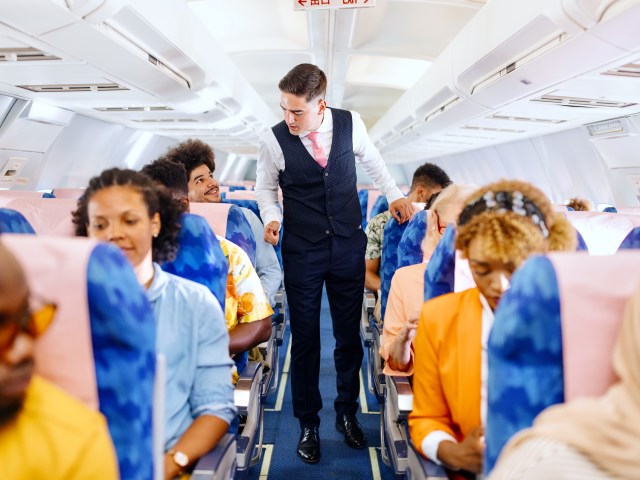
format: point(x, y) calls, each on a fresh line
point(312, 156)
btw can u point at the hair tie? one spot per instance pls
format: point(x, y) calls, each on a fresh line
point(503, 201)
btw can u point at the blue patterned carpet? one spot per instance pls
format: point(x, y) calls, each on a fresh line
point(281, 430)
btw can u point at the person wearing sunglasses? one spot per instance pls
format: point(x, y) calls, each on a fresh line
point(44, 432)
point(406, 294)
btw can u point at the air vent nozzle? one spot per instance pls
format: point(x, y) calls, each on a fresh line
point(71, 88)
point(582, 102)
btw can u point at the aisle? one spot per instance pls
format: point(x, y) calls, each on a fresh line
point(281, 429)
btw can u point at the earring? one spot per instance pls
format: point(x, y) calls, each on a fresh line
point(155, 235)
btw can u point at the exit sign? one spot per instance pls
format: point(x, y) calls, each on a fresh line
point(324, 4)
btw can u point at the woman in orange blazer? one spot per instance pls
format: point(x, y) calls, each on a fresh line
point(499, 227)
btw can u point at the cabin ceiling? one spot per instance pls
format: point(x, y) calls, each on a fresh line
point(371, 55)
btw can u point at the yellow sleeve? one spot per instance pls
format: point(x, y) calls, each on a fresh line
point(430, 409)
point(97, 460)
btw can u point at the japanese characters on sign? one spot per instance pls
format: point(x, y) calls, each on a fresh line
point(324, 4)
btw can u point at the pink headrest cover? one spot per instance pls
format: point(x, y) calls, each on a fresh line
point(593, 293)
point(56, 270)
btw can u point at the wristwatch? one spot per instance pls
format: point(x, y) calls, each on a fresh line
point(179, 458)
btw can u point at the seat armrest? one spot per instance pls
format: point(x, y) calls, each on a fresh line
point(280, 298)
point(422, 468)
point(369, 301)
point(242, 392)
point(209, 466)
point(405, 394)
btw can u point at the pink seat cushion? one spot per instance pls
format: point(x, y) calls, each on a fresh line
point(47, 216)
point(593, 294)
point(56, 270)
point(215, 214)
point(603, 232)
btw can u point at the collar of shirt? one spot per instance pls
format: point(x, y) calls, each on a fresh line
point(158, 283)
point(325, 127)
point(487, 321)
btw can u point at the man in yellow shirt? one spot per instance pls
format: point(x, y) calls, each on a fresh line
point(44, 432)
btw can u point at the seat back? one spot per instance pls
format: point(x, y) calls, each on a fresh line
point(244, 203)
point(379, 205)
point(603, 232)
point(552, 337)
point(234, 188)
point(74, 193)
point(410, 246)
point(12, 221)
point(363, 197)
point(610, 210)
point(629, 210)
point(101, 346)
point(632, 240)
point(47, 216)
point(229, 222)
point(8, 195)
point(242, 195)
point(200, 257)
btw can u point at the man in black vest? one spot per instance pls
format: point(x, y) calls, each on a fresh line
point(323, 241)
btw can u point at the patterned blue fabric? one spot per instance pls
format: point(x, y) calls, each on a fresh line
point(239, 232)
point(380, 205)
point(12, 221)
point(250, 204)
point(48, 195)
point(200, 257)
point(410, 246)
point(363, 196)
point(632, 240)
point(610, 210)
point(439, 276)
point(389, 261)
point(582, 245)
point(123, 336)
point(525, 355)
point(233, 188)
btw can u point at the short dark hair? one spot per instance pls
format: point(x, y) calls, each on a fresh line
point(304, 80)
point(171, 174)
point(430, 176)
point(157, 198)
point(192, 153)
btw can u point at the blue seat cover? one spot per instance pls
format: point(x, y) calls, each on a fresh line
point(410, 246)
point(12, 221)
point(632, 240)
point(389, 260)
point(239, 232)
point(363, 196)
point(380, 205)
point(439, 276)
point(123, 336)
point(525, 355)
point(200, 257)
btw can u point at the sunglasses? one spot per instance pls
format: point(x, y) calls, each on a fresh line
point(34, 322)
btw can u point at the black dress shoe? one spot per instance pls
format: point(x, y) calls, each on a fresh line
point(309, 445)
point(353, 436)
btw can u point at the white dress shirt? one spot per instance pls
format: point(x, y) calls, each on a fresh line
point(431, 442)
point(271, 163)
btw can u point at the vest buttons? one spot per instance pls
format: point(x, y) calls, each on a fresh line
point(326, 174)
point(327, 232)
point(330, 217)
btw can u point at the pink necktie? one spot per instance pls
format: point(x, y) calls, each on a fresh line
point(318, 152)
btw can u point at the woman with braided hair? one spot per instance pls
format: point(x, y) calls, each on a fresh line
point(500, 225)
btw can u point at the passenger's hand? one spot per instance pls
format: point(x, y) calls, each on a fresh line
point(272, 233)
point(467, 455)
point(408, 330)
point(401, 210)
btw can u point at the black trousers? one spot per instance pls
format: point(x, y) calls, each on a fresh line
point(339, 263)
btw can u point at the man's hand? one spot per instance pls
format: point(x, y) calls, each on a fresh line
point(272, 233)
point(401, 210)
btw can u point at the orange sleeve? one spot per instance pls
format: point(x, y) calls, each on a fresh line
point(430, 409)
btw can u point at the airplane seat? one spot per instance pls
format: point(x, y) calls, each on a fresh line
point(582, 245)
point(229, 222)
point(242, 195)
point(372, 196)
point(46, 216)
point(8, 195)
point(552, 337)
point(12, 221)
point(629, 210)
point(363, 197)
point(233, 188)
point(632, 240)
point(410, 246)
point(200, 257)
point(245, 203)
point(101, 346)
point(610, 210)
point(603, 232)
point(74, 193)
point(380, 205)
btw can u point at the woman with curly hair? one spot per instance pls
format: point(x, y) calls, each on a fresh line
point(127, 209)
point(500, 226)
